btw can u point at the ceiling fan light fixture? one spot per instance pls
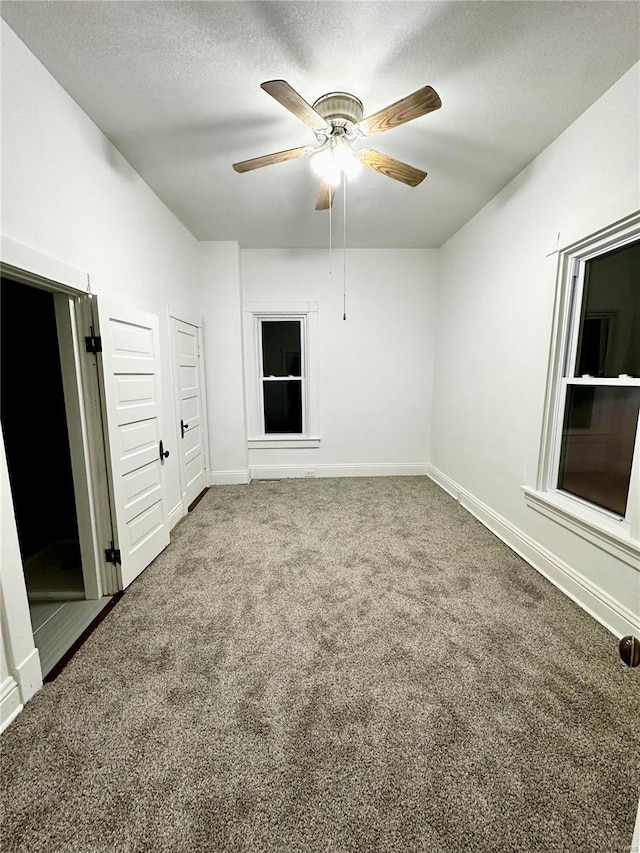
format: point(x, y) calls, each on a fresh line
point(337, 122)
point(333, 174)
point(335, 158)
point(347, 160)
point(321, 161)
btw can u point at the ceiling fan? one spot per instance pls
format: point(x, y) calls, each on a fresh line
point(337, 121)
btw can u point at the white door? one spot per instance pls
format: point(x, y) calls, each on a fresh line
point(132, 416)
point(186, 353)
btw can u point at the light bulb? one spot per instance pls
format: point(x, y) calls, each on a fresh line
point(332, 173)
point(352, 167)
point(331, 161)
point(342, 154)
point(348, 160)
point(321, 161)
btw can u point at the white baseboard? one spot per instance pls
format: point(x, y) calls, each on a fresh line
point(615, 616)
point(29, 676)
point(176, 514)
point(10, 703)
point(356, 469)
point(229, 478)
point(635, 841)
point(444, 482)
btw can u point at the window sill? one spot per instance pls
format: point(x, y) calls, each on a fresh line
point(279, 442)
point(609, 535)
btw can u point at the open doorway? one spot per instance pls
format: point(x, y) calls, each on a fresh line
point(36, 434)
point(85, 484)
point(37, 444)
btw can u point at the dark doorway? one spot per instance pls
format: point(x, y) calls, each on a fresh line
point(36, 437)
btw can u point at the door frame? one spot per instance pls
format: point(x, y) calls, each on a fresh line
point(71, 291)
point(198, 323)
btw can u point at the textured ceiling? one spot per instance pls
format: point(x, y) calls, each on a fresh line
point(176, 87)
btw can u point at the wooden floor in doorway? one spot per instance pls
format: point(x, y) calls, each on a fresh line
point(57, 625)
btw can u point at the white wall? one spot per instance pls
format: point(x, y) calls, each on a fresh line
point(375, 368)
point(67, 192)
point(219, 280)
point(70, 195)
point(495, 309)
point(20, 673)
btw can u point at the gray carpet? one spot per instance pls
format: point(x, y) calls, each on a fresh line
point(332, 666)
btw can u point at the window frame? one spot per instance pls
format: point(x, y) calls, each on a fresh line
point(254, 313)
point(620, 536)
point(260, 319)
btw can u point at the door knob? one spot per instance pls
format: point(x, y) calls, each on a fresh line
point(630, 650)
point(163, 453)
point(183, 426)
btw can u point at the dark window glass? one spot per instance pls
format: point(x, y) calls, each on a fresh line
point(281, 348)
point(597, 444)
point(609, 341)
point(283, 406)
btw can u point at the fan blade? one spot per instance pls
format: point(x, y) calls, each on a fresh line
point(420, 103)
point(268, 159)
point(295, 103)
point(395, 169)
point(326, 193)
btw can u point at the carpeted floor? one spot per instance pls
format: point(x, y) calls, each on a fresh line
point(332, 666)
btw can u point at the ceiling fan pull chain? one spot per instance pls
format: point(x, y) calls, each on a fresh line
point(344, 240)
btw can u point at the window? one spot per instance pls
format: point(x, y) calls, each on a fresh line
point(589, 469)
point(601, 386)
point(281, 374)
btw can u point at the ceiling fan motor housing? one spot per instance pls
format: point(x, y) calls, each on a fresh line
point(340, 109)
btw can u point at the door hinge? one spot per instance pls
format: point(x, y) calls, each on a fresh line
point(93, 343)
point(112, 555)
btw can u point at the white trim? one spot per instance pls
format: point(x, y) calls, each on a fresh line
point(229, 478)
point(356, 469)
point(606, 533)
point(31, 266)
point(301, 319)
point(307, 313)
point(10, 704)
point(613, 615)
point(280, 307)
point(69, 342)
point(613, 382)
point(204, 418)
point(279, 442)
point(175, 433)
point(562, 355)
point(176, 514)
point(89, 379)
point(28, 674)
point(444, 482)
point(635, 841)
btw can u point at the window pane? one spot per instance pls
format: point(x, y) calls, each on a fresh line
point(281, 348)
point(283, 406)
point(609, 341)
point(597, 444)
